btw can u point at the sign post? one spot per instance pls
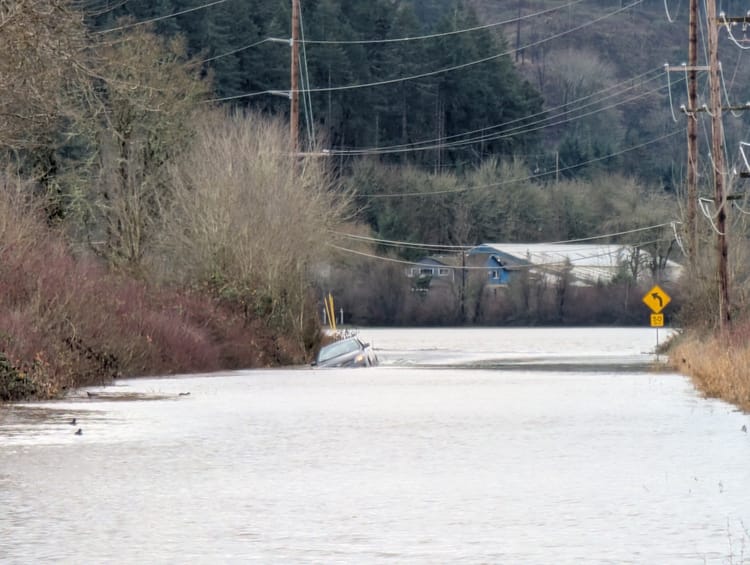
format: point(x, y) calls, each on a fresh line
point(656, 299)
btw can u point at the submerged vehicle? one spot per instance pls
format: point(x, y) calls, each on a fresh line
point(349, 352)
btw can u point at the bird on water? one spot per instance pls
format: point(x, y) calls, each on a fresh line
point(79, 432)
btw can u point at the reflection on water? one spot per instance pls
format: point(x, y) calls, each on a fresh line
point(475, 446)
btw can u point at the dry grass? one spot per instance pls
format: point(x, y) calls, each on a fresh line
point(718, 365)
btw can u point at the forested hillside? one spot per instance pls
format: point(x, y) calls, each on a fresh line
point(455, 122)
point(575, 86)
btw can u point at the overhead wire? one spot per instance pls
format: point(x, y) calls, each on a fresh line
point(527, 178)
point(530, 265)
point(615, 234)
point(405, 39)
point(726, 92)
point(677, 238)
point(439, 247)
point(403, 244)
point(389, 259)
point(669, 90)
point(702, 204)
point(691, 112)
point(666, 9)
point(307, 97)
point(518, 130)
point(90, 13)
point(617, 90)
point(728, 26)
point(441, 70)
point(267, 39)
point(443, 34)
point(160, 18)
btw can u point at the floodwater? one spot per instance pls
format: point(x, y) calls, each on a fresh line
point(464, 446)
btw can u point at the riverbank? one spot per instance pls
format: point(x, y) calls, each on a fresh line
point(69, 318)
point(719, 365)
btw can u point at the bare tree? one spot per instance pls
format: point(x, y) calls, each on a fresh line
point(145, 94)
point(42, 44)
point(247, 218)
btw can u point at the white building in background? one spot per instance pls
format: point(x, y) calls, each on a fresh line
point(584, 264)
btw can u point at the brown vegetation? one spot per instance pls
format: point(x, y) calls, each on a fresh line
point(40, 69)
point(67, 321)
point(248, 223)
point(142, 122)
point(136, 237)
point(718, 364)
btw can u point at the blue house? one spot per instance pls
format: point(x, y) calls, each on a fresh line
point(499, 264)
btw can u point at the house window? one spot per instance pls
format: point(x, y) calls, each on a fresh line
point(425, 272)
point(494, 275)
point(443, 272)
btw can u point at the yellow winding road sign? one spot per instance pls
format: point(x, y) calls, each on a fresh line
point(656, 299)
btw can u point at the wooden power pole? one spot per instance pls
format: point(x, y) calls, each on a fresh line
point(717, 151)
point(692, 141)
point(294, 88)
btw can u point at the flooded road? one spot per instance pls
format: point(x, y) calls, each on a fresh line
point(464, 446)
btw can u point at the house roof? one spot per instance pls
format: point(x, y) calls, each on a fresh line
point(590, 263)
point(440, 261)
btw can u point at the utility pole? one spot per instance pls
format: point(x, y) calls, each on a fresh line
point(717, 150)
point(692, 140)
point(294, 87)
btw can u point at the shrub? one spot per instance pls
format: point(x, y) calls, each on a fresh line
point(13, 384)
point(67, 321)
point(246, 220)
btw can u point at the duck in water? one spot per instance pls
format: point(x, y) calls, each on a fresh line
point(79, 432)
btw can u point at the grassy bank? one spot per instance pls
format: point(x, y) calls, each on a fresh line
point(718, 364)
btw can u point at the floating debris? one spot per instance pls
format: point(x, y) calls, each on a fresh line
point(124, 396)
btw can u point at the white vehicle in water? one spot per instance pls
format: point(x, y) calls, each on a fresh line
point(349, 352)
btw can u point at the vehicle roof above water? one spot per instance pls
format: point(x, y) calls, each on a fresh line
point(340, 347)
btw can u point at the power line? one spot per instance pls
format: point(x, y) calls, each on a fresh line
point(728, 27)
point(527, 178)
point(91, 13)
point(615, 234)
point(388, 259)
point(403, 244)
point(518, 130)
point(443, 70)
point(160, 18)
point(444, 34)
point(669, 16)
point(454, 248)
point(400, 39)
point(267, 39)
point(530, 265)
point(618, 89)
